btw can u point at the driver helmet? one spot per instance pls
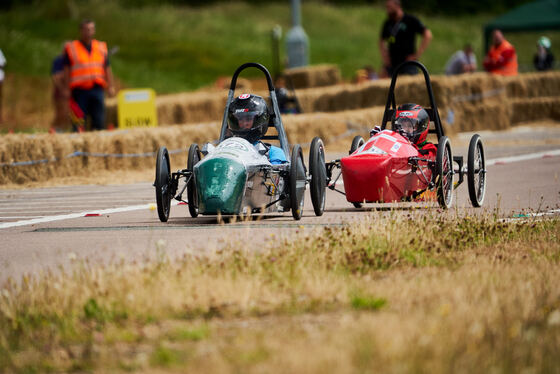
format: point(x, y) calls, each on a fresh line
point(411, 121)
point(248, 117)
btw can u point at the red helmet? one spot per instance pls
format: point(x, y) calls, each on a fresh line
point(411, 120)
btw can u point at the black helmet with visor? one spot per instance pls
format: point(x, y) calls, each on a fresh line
point(248, 117)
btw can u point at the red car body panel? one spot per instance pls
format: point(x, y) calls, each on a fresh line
point(379, 170)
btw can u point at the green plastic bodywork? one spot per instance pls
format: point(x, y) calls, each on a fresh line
point(220, 183)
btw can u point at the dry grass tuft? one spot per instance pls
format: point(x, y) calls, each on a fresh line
point(417, 293)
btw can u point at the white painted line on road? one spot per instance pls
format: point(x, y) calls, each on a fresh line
point(13, 217)
point(66, 199)
point(78, 215)
point(496, 161)
point(13, 204)
point(530, 156)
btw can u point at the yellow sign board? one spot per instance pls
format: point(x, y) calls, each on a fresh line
point(137, 108)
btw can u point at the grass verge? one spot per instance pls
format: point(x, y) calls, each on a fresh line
point(414, 293)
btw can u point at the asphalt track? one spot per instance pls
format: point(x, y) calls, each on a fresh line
point(48, 228)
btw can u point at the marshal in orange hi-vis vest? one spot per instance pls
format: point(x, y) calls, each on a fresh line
point(502, 59)
point(87, 69)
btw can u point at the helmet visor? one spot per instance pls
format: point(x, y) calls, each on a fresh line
point(408, 125)
point(243, 120)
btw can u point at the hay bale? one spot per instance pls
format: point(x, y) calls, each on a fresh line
point(191, 107)
point(530, 85)
point(484, 116)
point(313, 76)
point(449, 91)
point(468, 89)
point(480, 112)
point(331, 127)
point(531, 109)
point(57, 147)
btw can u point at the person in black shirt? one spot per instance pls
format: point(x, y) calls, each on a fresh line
point(543, 59)
point(398, 38)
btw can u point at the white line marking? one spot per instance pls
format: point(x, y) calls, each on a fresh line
point(499, 161)
point(64, 199)
point(8, 217)
point(530, 156)
point(13, 204)
point(78, 215)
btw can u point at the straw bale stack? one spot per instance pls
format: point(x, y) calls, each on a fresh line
point(450, 92)
point(57, 147)
point(534, 84)
point(313, 76)
point(468, 89)
point(336, 113)
point(485, 116)
point(191, 107)
point(531, 109)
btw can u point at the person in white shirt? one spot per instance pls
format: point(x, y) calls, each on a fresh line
point(462, 61)
point(2, 64)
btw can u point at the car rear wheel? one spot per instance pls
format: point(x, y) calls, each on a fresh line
point(192, 195)
point(297, 182)
point(476, 171)
point(444, 173)
point(162, 184)
point(318, 171)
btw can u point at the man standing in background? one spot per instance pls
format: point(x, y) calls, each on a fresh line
point(462, 61)
point(2, 64)
point(88, 73)
point(398, 38)
point(501, 59)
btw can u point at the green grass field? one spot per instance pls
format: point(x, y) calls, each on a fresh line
point(174, 49)
point(180, 48)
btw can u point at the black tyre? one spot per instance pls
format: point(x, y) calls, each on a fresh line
point(162, 184)
point(444, 173)
point(297, 182)
point(192, 195)
point(318, 171)
point(357, 142)
point(476, 171)
point(357, 205)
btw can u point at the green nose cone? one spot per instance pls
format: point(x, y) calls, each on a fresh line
point(220, 183)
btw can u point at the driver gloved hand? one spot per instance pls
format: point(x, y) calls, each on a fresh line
point(374, 131)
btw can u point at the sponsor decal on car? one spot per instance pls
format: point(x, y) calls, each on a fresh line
point(395, 147)
point(376, 151)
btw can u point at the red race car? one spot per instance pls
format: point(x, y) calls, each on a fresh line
point(399, 164)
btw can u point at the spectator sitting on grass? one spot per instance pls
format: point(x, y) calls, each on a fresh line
point(462, 61)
